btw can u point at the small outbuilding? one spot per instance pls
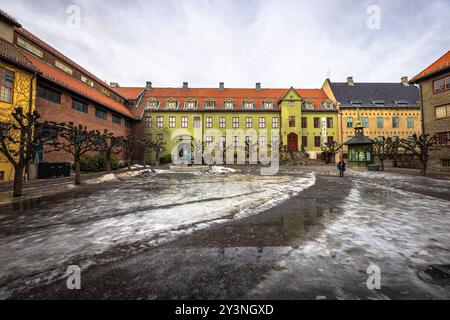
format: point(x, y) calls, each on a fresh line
point(360, 148)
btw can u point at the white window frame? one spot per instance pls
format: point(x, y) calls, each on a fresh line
point(262, 122)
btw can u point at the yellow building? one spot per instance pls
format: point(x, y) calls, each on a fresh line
point(17, 84)
point(386, 109)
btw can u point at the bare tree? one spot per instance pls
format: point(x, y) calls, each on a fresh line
point(131, 147)
point(420, 146)
point(382, 149)
point(19, 143)
point(145, 145)
point(330, 150)
point(75, 140)
point(158, 147)
point(108, 145)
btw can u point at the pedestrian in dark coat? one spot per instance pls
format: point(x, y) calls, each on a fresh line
point(341, 168)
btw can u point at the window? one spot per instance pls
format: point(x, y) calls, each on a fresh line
point(148, 122)
point(441, 84)
point(197, 122)
point(2, 175)
point(291, 120)
point(229, 105)
point(208, 140)
point(188, 105)
point(305, 141)
point(105, 91)
point(316, 123)
point(116, 119)
point(29, 47)
point(395, 122)
point(365, 122)
point(443, 137)
point(292, 103)
point(410, 121)
point(152, 104)
point(209, 104)
point(99, 113)
point(309, 105)
point(88, 81)
point(172, 122)
point(330, 122)
point(79, 106)
point(63, 67)
point(248, 105)
point(445, 163)
point(209, 122)
point(349, 122)
point(184, 122)
point(236, 141)
point(235, 122)
point(249, 122)
point(172, 104)
point(49, 94)
point(159, 122)
point(304, 122)
point(328, 105)
point(268, 105)
point(275, 123)
point(222, 122)
point(6, 86)
point(442, 112)
point(160, 137)
point(127, 123)
point(380, 122)
point(262, 141)
point(330, 140)
point(317, 141)
point(262, 122)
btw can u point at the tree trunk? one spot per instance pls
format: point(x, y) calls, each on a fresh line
point(108, 166)
point(424, 168)
point(18, 180)
point(129, 164)
point(382, 164)
point(77, 172)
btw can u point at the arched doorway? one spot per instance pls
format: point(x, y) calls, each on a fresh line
point(292, 142)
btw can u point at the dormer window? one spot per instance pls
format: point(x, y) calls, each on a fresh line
point(171, 104)
point(152, 104)
point(401, 102)
point(209, 104)
point(268, 104)
point(309, 104)
point(248, 105)
point(378, 102)
point(106, 92)
point(329, 105)
point(29, 47)
point(88, 81)
point(356, 102)
point(63, 67)
point(190, 104)
point(228, 104)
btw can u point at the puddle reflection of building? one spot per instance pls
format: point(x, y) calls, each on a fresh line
point(296, 225)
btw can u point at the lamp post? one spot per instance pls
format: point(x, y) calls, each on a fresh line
point(341, 113)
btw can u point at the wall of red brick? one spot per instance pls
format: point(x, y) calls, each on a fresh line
point(64, 113)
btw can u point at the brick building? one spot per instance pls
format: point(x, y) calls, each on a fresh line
point(434, 82)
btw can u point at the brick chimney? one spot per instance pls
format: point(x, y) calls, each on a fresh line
point(221, 86)
point(185, 85)
point(350, 81)
point(258, 86)
point(148, 85)
point(404, 81)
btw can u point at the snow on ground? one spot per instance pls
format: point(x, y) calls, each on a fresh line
point(221, 170)
point(134, 210)
point(399, 231)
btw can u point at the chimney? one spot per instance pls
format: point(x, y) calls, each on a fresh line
point(221, 86)
point(350, 81)
point(404, 81)
point(148, 85)
point(114, 84)
point(258, 86)
point(185, 85)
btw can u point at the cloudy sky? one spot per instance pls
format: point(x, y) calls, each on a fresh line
point(279, 43)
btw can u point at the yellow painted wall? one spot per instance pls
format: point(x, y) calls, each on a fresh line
point(21, 97)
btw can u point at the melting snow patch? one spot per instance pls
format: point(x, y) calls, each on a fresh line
point(104, 178)
point(220, 170)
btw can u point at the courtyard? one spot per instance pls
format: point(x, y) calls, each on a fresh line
point(229, 233)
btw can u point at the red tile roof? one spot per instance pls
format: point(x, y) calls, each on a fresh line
point(27, 34)
point(440, 64)
point(238, 95)
point(129, 93)
point(59, 77)
point(11, 53)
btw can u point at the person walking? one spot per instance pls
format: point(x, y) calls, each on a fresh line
point(341, 168)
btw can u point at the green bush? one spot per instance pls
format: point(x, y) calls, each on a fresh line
point(97, 163)
point(167, 158)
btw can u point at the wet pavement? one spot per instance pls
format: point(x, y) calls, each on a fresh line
point(302, 234)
